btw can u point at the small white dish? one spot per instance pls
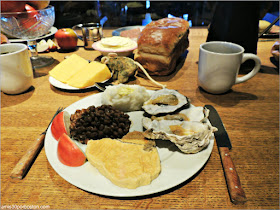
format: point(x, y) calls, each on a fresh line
point(121, 51)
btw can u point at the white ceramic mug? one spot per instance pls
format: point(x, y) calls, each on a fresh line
point(219, 64)
point(16, 68)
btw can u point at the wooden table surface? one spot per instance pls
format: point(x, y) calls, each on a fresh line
point(250, 113)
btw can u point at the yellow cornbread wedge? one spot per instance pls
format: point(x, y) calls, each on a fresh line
point(89, 75)
point(129, 164)
point(68, 67)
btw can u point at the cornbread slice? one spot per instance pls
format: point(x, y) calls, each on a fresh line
point(89, 75)
point(68, 67)
point(129, 164)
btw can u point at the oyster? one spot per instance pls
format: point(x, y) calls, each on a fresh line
point(188, 136)
point(192, 113)
point(164, 101)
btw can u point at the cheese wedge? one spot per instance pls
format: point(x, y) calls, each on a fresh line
point(128, 164)
point(68, 67)
point(89, 75)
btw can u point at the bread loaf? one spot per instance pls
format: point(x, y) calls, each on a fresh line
point(127, 162)
point(161, 43)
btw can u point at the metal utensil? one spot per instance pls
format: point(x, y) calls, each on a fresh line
point(237, 194)
point(28, 158)
point(268, 27)
point(102, 86)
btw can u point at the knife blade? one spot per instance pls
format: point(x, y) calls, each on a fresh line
point(236, 193)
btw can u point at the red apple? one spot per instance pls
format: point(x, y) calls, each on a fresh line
point(30, 19)
point(66, 38)
point(30, 8)
point(39, 4)
point(18, 6)
point(60, 124)
point(13, 6)
point(4, 39)
point(69, 153)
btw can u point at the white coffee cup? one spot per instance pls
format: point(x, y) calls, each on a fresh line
point(219, 64)
point(16, 68)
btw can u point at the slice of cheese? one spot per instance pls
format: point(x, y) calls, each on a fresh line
point(67, 68)
point(89, 75)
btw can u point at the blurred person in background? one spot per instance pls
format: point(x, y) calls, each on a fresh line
point(236, 22)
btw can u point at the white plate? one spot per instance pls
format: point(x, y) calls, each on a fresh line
point(120, 52)
point(51, 32)
point(176, 166)
point(118, 31)
point(64, 86)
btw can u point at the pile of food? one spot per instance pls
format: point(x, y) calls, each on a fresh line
point(159, 46)
point(129, 158)
point(78, 72)
point(98, 122)
point(178, 122)
point(125, 97)
point(126, 157)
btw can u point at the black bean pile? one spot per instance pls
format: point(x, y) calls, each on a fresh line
point(97, 123)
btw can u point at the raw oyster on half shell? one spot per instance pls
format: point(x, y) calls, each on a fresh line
point(193, 113)
point(164, 101)
point(188, 136)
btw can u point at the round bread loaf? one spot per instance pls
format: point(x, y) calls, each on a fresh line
point(161, 43)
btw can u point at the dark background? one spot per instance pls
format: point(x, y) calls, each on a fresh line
point(127, 13)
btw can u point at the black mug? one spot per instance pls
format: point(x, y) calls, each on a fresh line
point(236, 22)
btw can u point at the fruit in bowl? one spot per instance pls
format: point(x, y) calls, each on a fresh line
point(38, 4)
point(20, 6)
point(122, 46)
point(13, 6)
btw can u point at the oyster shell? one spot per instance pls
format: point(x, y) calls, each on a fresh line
point(193, 113)
point(188, 136)
point(164, 101)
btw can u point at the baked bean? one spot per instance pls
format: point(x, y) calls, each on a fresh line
point(98, 122)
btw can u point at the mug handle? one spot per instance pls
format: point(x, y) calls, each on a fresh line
point(254, 71)
point(78, 26)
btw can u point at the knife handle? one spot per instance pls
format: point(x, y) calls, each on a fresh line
point(27, 159)
point(236, 192)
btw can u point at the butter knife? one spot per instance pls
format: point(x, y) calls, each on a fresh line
point(21, 168)
point(237, 194)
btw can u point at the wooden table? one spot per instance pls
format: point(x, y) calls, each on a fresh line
point(250, 113)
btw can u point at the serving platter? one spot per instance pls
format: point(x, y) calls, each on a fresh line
point(177, 167)
point(118, 31)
